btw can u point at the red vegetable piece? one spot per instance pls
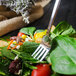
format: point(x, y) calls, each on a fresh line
point(20, 34)
point(42, 70)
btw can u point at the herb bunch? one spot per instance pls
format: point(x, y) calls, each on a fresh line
point(19, 6)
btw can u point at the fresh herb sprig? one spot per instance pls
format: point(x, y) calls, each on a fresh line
point(19, 6)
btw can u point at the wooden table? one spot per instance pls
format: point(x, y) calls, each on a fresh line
point(67, 12)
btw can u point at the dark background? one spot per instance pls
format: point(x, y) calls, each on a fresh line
point(67, 12)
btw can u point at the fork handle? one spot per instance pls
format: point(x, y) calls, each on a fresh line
point(55, 9)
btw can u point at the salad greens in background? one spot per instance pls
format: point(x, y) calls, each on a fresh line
point(62, 56)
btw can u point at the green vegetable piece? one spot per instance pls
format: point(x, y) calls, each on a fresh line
point(63, 28)
point(30, 47)
point(69, 46)
point(38, 31)
point(63, 56)
point(55, 74)
point(27, 73)
point(7, 53)
point(4, 64)
point(0, 54)
point(2, 73)
point(26, 57)
point(29, 30)
point(30, 66)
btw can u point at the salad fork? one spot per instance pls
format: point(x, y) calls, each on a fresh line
point(43, 49)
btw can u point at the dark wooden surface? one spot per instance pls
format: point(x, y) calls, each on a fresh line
point(67, 12)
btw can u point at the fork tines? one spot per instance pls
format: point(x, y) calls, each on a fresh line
point(41, 52)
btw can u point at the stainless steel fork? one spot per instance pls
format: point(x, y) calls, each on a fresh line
point(43, 49)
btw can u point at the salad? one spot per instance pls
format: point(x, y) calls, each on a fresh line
point(16, 59)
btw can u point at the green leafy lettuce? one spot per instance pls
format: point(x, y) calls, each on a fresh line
point(63, 56)
point(29, 31)
point(39, 30)
point(63, 28)
point(7, 53)
point(29, 47)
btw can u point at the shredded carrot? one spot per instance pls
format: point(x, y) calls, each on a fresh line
point(20, 43)
point(10, 44)
point(23, 40)
point(30, 40)
point(35, 35)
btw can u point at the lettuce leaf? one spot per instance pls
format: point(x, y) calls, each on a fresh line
point(7, 53)
point(29, 31)
point(63, 55)
point(63, 28)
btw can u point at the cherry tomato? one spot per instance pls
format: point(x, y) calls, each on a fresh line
point(20, 34)
point(42, 70)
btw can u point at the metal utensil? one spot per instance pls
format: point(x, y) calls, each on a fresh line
point(45, 47)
